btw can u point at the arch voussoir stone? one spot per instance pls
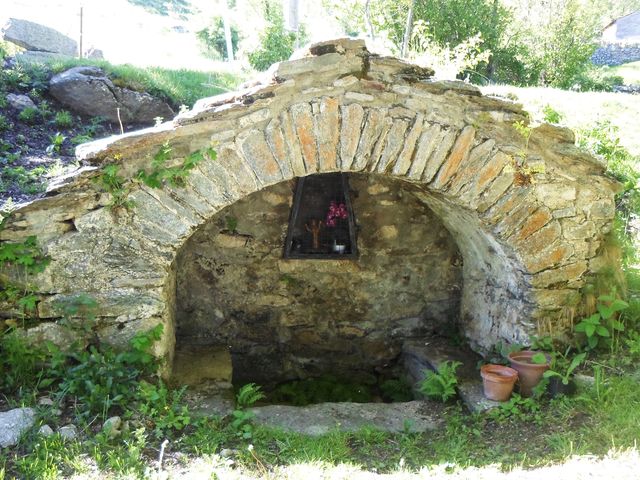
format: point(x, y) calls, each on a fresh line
point(528, 218)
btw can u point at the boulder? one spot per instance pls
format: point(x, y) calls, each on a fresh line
point(14, 423)
point(20, 102)
point(88, 91)
point(33, 36)
point(94, 54)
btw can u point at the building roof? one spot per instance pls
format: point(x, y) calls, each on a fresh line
point(623, 30)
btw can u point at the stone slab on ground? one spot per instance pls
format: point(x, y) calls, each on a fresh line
point(33, 36)
point(430, 353)
point(14, 423)
point(321, 418)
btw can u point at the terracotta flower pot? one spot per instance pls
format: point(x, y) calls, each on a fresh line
point(529, 373)
point(498, 381)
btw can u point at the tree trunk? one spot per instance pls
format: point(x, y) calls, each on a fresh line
point(227, 31)
point(293, 19)
point(407, 30)
point(367, 19)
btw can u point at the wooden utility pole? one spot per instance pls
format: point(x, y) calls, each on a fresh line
point(81, 20)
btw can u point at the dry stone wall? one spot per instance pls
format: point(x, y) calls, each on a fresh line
point(528, 216)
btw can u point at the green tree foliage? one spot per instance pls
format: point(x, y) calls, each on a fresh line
point(529, 41)
point(213, 39)
point(164, 7)
point(276, 43)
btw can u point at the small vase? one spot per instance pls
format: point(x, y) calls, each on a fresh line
point(529, 373)
point(498, 381)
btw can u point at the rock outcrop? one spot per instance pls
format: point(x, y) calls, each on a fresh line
point(36, 37)
point(88, 91)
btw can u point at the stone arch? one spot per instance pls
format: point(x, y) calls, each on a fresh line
point(528, 212)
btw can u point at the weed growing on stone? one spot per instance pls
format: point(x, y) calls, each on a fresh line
point(175, 176)
point(116, 185)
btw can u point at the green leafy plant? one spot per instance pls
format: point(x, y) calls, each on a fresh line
point(100, 378)
point(56, 143)
point(325, 388)
point(441, 385)
point(517, 408)
point(114, 184)
point(23, 259)
point(276, 43)
point(173, 175)
point(20, 364)
point(563, 369)
point(162, 407)
point(551, 115)
point(79, 313)
point(213, 38)
point(600, 327)
point(232, 223)
point(4, 123)
point(63, 119)
point(29, 115)
point(245, 398)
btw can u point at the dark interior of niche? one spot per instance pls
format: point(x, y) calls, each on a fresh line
point(322, 222)
point(386, 384)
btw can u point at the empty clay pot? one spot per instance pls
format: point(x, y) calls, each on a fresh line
point(498, 381)
point(529, 373)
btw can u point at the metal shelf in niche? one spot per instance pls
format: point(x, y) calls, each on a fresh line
point(322, 224)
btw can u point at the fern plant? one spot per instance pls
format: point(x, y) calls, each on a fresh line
point(441, 385)
point(246, 397)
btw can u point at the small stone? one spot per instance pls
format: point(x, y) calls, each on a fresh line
point(45, 401)
point(112, 426)
point(14, 423)
point(45, 431)
point(68, 432)
point(228, 452)
point(20, 102)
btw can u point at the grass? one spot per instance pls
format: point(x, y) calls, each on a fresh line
point(179, 87)
point(581, 109)
point(629, 71)
point(590, 425)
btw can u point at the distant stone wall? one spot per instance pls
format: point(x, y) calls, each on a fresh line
point(616, 54)
point(290, 318)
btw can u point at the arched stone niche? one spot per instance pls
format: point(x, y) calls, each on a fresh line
point(294, 318)
point(528, 214)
